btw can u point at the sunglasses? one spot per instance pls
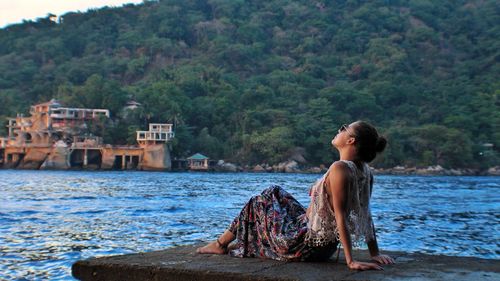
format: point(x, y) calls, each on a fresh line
point(345, 127)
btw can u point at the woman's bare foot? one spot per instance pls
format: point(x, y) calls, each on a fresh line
point(211, 248)
point(219, 246)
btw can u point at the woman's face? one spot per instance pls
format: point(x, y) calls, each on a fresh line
point(344, 133)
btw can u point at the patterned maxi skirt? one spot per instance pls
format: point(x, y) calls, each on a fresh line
point(274, 225)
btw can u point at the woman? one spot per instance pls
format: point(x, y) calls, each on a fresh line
point(275, 225)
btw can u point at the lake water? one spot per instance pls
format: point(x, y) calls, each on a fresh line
point(50, 219)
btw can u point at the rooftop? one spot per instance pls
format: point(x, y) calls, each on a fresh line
point(198, 156)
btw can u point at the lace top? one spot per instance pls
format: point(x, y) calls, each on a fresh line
point(322, 227)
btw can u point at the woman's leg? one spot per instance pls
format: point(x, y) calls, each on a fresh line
point(243, 225)
point(230, 234)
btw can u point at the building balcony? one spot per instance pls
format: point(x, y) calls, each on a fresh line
point(78, 113)
point(154, 136)
point(62, 115)
point(155, 127)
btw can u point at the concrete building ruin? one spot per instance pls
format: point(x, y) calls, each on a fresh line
point(56, 137)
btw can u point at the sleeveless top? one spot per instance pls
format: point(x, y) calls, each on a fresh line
point(322, 227)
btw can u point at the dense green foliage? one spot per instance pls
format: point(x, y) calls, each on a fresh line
point(249, 81)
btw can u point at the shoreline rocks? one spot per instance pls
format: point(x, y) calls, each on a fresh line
point(494, 171)
point(226, 167)
point(291, 166)
point(436, 170)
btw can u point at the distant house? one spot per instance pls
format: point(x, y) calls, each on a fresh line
point(198, 162)
point(129, 107)
point(132, 105)
point(157, 133)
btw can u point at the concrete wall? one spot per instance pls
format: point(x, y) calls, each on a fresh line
point(13, 157)
point(156, 157)
point(34, 158)
point(58, 159)
point(116, 157)
point(147, 157)
point(108, 158)
point(183, 263)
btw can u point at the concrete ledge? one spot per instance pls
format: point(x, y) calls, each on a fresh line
point(182, 263)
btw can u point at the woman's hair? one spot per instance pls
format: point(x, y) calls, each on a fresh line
point(368, 142)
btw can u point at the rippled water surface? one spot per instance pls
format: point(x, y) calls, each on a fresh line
point(50, 219)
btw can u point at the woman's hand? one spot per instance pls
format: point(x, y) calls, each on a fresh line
point(357, 265)
point(383, 259)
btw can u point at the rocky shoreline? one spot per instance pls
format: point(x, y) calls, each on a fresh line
point(290, 166)
point(294, 167)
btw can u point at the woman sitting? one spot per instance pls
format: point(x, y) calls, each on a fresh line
point(275, 225)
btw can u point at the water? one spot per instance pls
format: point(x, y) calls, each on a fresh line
point(50, 219)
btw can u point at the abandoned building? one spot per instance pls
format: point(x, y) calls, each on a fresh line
point(54, 137)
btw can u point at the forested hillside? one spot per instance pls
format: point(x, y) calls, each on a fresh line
point(253, 81)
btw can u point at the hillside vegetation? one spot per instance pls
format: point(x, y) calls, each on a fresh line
point(255, 81)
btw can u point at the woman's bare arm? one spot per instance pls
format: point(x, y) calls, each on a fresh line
point(337, 193)
point(372, 243)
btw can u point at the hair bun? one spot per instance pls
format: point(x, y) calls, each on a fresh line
point(381, 143)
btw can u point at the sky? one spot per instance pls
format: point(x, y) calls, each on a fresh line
point(14, 11)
